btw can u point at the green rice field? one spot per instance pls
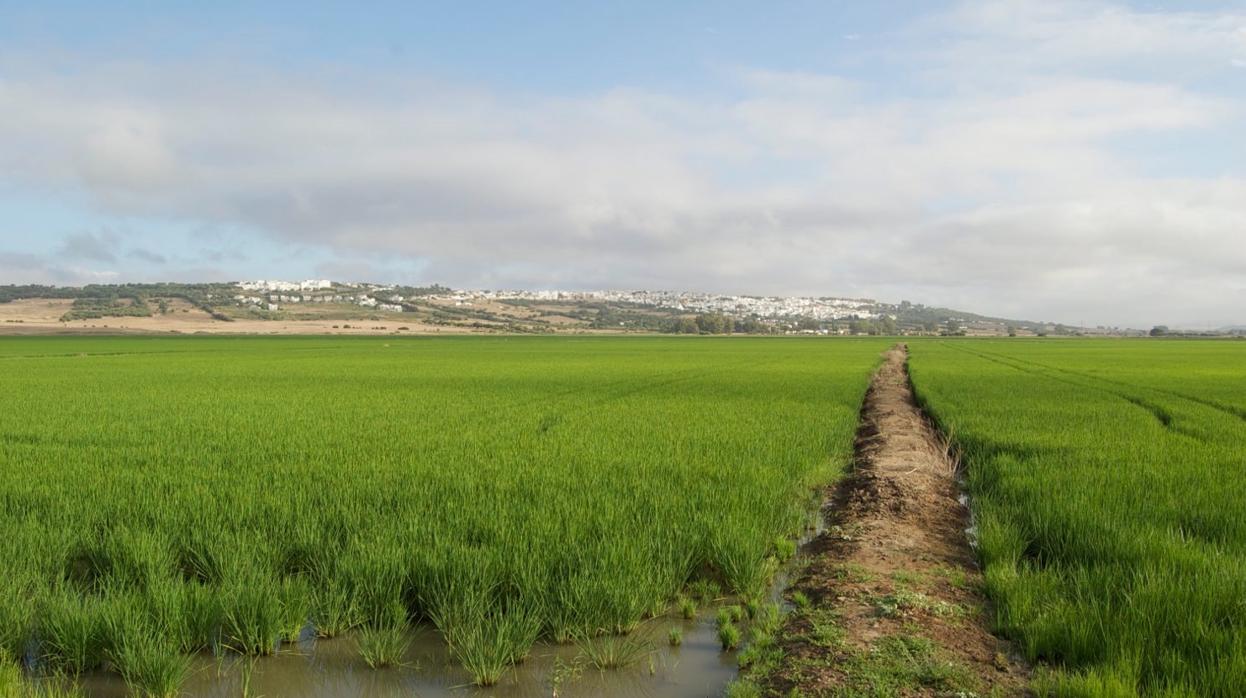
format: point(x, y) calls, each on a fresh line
point(162, 497)
point(1108, 480)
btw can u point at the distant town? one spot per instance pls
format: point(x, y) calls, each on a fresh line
point(328, 306)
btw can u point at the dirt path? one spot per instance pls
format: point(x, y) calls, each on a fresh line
point(891, 600)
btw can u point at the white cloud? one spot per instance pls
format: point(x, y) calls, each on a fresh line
point(1001, 186)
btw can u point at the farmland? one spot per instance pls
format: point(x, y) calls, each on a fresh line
point(1107, 483)
point(168, 497)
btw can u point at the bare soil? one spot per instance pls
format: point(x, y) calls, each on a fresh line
point(895, 597)
point(43, 316)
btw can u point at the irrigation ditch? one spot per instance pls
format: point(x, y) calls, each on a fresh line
point(890, 600)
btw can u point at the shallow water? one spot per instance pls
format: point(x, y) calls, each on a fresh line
point(699, 667)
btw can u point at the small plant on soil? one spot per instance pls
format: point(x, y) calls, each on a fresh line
point(901, 602)
point(800, 600)
point(676, 637)
point(905, 662)
point(729, 636)
point(784, 549)
point(742, 688)
point(729, 614)
point(687, 607)
point(704, 590)
point(767, 617)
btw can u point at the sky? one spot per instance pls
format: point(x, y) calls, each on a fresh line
point(1080, 162)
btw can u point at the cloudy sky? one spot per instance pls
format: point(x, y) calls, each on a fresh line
point(1082, 162)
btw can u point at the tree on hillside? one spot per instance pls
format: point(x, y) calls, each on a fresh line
point(753, 326)
point(714, 323)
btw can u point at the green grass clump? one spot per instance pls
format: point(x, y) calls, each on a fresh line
point(334, 611)
point(904, 663)
point(14, 684)
point(729, 636)
point(72, 631)
point(784, 549)
point(253, 617)
point(151, 667)
point(704, 590)
point(728, 615)
point(384, 646)
point(743, 688)
point(614, 651)
point(675, 636)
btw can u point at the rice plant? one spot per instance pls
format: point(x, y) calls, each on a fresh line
point(614, 651)
point(72, 631)
point(729, 636)
point(384, 646)
point(150, 666)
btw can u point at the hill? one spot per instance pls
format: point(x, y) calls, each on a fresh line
point(325, 306)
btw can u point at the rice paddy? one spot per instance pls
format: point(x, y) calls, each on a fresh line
point(1107, 483)
point(167, 500)
point(163, 498)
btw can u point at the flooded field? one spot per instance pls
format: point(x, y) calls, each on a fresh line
point(333, 668)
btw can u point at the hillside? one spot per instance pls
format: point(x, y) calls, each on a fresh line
point(324, 306)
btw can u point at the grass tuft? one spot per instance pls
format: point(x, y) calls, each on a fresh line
point(384, 646)
point(614, 651)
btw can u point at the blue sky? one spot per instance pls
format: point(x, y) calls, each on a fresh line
point(1049, 160)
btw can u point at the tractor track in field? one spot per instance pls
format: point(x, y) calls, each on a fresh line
point(891, 600)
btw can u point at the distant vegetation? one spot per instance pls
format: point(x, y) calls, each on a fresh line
point(93, 308)
point(109, 300)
